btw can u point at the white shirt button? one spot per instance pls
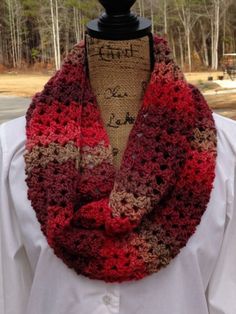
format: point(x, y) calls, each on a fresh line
point(106, 299)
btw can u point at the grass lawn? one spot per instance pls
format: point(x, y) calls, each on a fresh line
point(26, 85)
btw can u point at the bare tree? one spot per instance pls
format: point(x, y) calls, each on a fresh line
point(152, 15)
point(40, 31)
point(165, 17)
point(204, 45)
point(215, 10)
point(14, 18)
point(55, 32)
point(215, 28)
point(141, 7)
point(188, 20)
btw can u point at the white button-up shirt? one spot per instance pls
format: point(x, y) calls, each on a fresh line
point(200, 280)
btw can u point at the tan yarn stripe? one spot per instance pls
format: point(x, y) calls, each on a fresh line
point(91, 157)
point(204, 140)
point(141, 203)
point(41, 156)
point(151, 248)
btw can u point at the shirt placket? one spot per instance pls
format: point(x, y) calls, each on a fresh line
point(111, 299)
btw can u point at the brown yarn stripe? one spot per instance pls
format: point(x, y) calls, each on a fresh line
point(41, 156)
point(91, 156)
point(142, 204)
point(94, 156)
point(204, 140)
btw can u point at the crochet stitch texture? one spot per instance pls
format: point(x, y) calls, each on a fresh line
point(126, 224)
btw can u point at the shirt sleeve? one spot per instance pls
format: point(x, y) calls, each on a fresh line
point(15, 271)
point(221, 291)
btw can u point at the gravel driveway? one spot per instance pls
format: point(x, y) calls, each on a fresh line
point(12, 107)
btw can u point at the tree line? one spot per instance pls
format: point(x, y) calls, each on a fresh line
point(43, 31)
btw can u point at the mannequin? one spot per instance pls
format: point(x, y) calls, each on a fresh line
point(119, 72)
point(119, 64)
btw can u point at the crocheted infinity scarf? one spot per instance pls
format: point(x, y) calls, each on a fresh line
point(125, 224)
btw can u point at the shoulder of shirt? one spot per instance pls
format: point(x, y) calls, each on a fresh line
point(226, 131)
point(12, 134)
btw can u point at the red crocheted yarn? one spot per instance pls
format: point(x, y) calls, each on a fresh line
point(124, 225)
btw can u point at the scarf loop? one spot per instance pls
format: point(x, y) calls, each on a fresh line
point(119, 225)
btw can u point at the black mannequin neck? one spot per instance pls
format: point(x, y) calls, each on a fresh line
point(118, 22)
